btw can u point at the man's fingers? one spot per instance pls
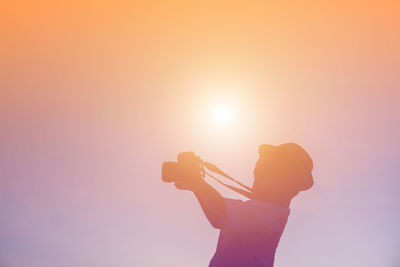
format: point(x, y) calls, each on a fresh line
point(179, 185)
point(182, 185)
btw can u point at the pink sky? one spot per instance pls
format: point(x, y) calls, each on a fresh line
point(94, 97)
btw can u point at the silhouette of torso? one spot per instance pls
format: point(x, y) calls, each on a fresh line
point(250, 235)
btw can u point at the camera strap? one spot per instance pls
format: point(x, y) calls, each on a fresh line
point(237, 190)
point(214, 168)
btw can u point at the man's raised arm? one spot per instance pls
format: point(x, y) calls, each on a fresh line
point(211, 201)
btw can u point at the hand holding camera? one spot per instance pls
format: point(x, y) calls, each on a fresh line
point(185, 172)
point(190, 170)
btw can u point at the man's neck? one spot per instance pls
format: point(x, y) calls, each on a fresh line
point(274, 199)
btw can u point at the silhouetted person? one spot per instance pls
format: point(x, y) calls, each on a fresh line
point(250, 230)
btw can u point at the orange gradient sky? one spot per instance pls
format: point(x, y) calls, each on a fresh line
point(95, 95)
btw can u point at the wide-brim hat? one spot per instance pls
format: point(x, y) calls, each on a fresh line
point(299, 157)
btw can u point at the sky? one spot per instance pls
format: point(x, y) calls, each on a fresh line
point(95, 95)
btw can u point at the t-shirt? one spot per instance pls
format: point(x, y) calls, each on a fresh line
point(250, 235)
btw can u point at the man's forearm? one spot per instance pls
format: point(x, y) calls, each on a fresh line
point(211, 202)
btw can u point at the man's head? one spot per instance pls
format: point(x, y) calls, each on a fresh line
point(282, 172)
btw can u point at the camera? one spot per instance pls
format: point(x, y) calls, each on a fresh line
point(188, 166)
point(192, 167)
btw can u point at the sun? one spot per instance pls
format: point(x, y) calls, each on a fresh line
point(223, 114)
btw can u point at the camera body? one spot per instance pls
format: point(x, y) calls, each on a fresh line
point(188, 166)
point(191, 168)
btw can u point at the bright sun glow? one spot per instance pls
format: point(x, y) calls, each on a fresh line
point(223, 114)
point(221, 108)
